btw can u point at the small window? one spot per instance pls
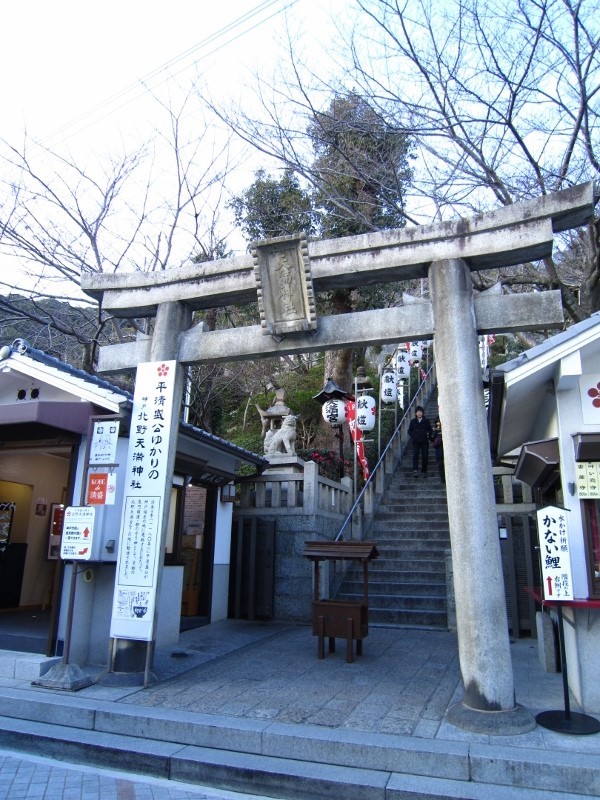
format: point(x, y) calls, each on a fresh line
point(592, 545)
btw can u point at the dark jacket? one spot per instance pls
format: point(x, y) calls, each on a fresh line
point(438, 445)
point(420, 431)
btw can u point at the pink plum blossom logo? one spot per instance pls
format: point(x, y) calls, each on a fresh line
point(163, 371)
point(594, 392)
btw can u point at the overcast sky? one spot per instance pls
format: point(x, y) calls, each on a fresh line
point(72, 68)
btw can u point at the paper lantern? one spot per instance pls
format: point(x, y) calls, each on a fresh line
point(388, 391)
point(365, 412)
point(334, 412)
point(402, 366)
point(416, 351)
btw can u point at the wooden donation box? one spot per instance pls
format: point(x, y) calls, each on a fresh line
point(347, 619)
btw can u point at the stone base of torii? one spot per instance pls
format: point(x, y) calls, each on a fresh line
point(283, 275)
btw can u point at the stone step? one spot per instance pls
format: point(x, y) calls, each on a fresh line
point(435, 548)
point(429, 576)
point(432, 509)
point(412, 617)
point(399, 527)
point(397, 565)
point(398, 602)
point(395, 589)
point(226, 754)
point(25, 666)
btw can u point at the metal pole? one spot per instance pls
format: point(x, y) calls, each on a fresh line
point(563, 661)
point(67, 648)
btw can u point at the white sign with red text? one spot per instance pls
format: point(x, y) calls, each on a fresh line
point(555, 556)
point(77, 533)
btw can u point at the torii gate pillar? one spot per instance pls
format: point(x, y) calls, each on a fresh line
point(483, 642)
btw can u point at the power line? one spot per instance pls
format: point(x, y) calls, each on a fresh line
point(144, 83)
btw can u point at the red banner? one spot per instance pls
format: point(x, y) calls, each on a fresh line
point(357, 438)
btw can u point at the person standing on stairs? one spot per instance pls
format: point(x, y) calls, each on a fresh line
point(420, 433)
point(438, 447)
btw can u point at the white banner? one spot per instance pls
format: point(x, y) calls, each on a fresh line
point(145, 485)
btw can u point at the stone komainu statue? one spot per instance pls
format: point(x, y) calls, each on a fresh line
point(282, 440)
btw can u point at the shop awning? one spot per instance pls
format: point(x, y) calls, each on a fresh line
point(64, 416)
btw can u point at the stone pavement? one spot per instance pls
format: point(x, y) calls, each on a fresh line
point(249, 707)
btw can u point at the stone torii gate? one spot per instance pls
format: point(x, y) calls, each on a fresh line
point(283, 275)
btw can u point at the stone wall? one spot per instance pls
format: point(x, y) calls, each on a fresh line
point(303, 506)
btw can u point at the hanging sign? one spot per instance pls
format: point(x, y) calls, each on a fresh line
point(101, 488)
point(103, 447)
point(136, 580)
point(77, 533)
point(587, 479)
point(555, 556)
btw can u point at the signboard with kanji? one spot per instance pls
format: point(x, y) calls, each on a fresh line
point(101, 488)
point(145, 483)
point(77, 533)
point(103, 446)
point(555, 557)
point(587, 479)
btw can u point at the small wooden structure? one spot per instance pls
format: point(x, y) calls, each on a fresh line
point(347, 619)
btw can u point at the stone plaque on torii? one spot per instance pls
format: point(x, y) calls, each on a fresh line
point(445, 253)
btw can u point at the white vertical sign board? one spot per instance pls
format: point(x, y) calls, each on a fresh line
point(587, 475)
point(103, 447)
point(555, 557)
point(77, 533)
point(140, 552)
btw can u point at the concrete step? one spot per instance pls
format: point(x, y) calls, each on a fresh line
point(254, 755)
point(397, 588)
point(393, 547)
point(431, 575)
point(398, 602)
point(400, 564)
point(408, 617)
point(25, 666)
point(433, 511)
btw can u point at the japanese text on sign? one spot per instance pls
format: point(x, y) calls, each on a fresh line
point(146, 478)
point(554, 553)
point(587, 474)
point(77, 533)
point(103, 447)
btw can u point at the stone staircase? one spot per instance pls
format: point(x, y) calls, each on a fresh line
point(407, 583)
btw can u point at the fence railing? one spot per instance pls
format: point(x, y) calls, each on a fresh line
point(304, 492)
point(365, 503)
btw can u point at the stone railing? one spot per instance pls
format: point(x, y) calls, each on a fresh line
point(304, 492)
